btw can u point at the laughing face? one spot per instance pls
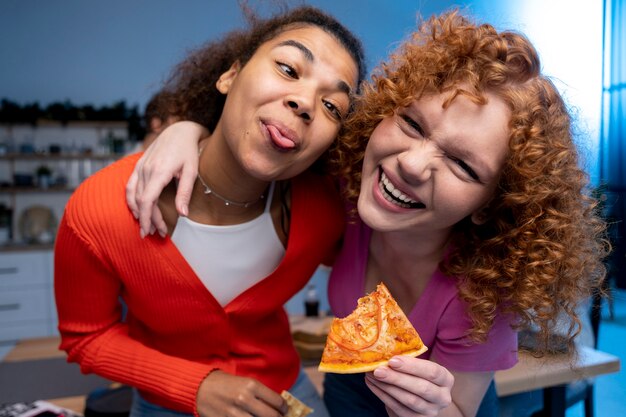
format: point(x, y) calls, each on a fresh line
point(427, 167)
point(284, 108)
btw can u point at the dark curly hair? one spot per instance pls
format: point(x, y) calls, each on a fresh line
point(156, 109)
point(541, 251)
point(192, 94)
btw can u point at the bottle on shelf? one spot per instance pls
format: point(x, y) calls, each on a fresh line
point(311, 302)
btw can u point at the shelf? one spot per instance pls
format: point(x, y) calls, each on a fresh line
point(25, 247)
point(96, 124)
point(57, 157)
point(33, 190)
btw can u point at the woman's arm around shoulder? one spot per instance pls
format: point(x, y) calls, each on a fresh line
point(174, 154)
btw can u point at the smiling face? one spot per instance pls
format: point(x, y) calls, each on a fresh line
point(284, 108)
point(427, 167)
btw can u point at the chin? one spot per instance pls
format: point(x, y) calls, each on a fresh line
point(369, 215)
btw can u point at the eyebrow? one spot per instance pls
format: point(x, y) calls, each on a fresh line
point(458, 152)
point(473, 159)
point(308, 55)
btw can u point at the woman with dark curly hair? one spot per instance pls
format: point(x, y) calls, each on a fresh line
point(205, 332)
point(467, 201)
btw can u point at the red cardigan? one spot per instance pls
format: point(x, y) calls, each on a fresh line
point(175, 333)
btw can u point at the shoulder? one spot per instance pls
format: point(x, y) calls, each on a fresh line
point(454, 350)
point(316, 194)
point(101, 198)
point(317, 183)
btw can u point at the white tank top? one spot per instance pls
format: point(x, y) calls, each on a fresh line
point(230, 259)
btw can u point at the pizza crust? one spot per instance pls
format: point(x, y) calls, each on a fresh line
point(338, 368)
point(296, 407)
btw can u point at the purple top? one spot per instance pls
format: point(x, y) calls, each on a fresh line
point(439, 316)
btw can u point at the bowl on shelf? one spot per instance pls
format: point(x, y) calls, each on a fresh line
point(38, 225)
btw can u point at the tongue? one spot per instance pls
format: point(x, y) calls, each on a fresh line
point(279, 139)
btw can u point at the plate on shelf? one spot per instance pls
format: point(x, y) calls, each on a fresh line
point(38, 224)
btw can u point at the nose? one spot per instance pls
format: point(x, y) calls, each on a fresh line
point(301, 106)
point(418, 162)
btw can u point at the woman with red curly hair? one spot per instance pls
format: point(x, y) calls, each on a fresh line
point(467, 201)
point(471, 207)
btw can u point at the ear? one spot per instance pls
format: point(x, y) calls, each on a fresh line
point(480, 216)
point(226, 79)
point(156, 124)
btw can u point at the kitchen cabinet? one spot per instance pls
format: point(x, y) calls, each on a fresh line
point(70, 152)
point(27, 306)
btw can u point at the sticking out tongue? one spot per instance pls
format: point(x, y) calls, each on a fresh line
point(280, 140)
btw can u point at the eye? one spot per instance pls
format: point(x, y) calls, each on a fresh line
point(413, 124)
point(465, 167)
point(336, 113)
point(287, 69)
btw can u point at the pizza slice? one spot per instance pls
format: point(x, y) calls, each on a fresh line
point(296, 407)
point(372, 334)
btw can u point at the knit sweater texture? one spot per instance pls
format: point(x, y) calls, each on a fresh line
point(173, 332)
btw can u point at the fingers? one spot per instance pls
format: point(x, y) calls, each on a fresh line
point(421, 368)
point(399, 407)
point(401, 402)
point(148, 196)
point(131, 191)
point(266, 404)
point(157, 222)
point(270, 398)
point(410, 385)
point(247, 404)
point(174, 153)
point(225, 394)
point(185, 187)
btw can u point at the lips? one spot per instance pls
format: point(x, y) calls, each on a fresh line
point(395, 196)
point(282, 137)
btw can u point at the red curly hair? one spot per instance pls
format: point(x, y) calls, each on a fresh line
point(541, 251)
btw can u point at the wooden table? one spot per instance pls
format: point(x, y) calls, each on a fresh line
point(45, 348)
point(551, 373)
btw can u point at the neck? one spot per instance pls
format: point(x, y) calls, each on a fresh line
point(209, 191)
point(403, 263)
point(224, 192)
point(403, 253)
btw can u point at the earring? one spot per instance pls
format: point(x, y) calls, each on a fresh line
point(480, 217)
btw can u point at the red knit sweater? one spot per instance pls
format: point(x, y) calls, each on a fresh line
point(175, 332)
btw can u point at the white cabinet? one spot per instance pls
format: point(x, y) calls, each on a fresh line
point(26, 295)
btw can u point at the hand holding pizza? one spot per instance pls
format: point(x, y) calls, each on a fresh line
point(224, 394)
point(378, 338)
point(411, 387)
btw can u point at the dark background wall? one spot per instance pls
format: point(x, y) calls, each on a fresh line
point(101, 52)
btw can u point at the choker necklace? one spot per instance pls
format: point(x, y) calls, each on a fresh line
point(226, 201)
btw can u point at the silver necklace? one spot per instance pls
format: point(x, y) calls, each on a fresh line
point(226, 201)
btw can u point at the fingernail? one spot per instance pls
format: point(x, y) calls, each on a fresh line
point(162, 233)
point(380, 372)
point(185, 210)
point(152, 230)
point(142, 234)
point(135, 215)
point(395, 362)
